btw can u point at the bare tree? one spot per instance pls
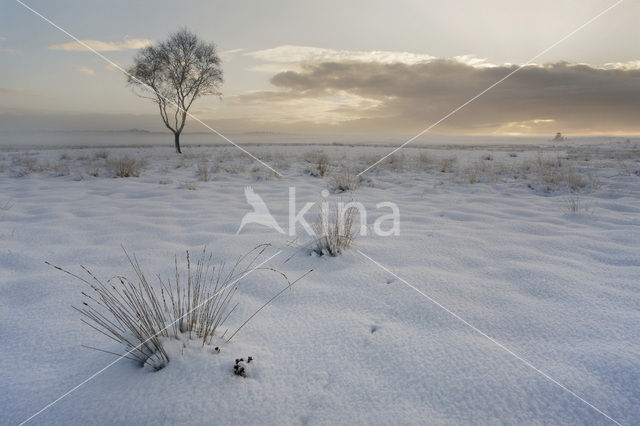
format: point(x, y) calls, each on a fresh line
point(174, 73)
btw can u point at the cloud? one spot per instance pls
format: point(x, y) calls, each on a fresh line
point(289, 56)
point(630, 65)
point(408, 97)
point(104, 46)
point(227, 55)
point(474, 61)
point(87, 71)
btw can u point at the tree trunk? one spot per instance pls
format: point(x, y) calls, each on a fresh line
point(177, 142)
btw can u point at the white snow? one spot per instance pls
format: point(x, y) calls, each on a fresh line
point(494, 241)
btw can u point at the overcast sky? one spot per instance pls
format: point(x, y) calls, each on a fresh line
point(334, 66)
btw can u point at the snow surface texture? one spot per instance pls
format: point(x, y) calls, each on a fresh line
point(537, 247)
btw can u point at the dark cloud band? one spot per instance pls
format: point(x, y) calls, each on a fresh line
point(539, 98)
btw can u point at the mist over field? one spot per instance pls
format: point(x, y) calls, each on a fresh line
point(77, 139)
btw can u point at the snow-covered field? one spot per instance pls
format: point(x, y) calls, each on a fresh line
point(538, 247)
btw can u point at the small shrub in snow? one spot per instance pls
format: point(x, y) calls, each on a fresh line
point(203, 172)
point(446, 164)
point(230, 166)
point(471, 175)
point(101, 155)
point(280, 163)
point(198, 156)
point(183, 163)
point(25, 164)
point(60, 169)
point(277, 160)
point(334, 230)
point(395, 162)
point(320, 161)
point(126, 166)
point(343, 181)
point(94, 171)
point(555, 175)
point(424, 159)
point(260, 172)
point(545, 163)
point(575, 180)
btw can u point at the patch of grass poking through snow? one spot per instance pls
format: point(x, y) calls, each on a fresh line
point(394, 162)
point(575, 205)
point(320, 161)
point(25, 164)
point(103, 154)
point(334, 229)
point(143, 319)
point(446, 164)
point(343, 181)
point(126, 166)
point(204, 172)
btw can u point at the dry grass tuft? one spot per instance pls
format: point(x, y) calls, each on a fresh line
point(60, 168)
point(320, 162)
point(575, 205)
point(556, 175)
point(423, 159)
point(446, 164)
point(260, 172)
point(126, 166)
point(137, 315)
point(394, 163)
point(204, 172)
point(101, 155)
point(25, 164)
point(334, 229)
point(343, 181)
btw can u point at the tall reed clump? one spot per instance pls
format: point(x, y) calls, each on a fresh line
point(137, 315)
